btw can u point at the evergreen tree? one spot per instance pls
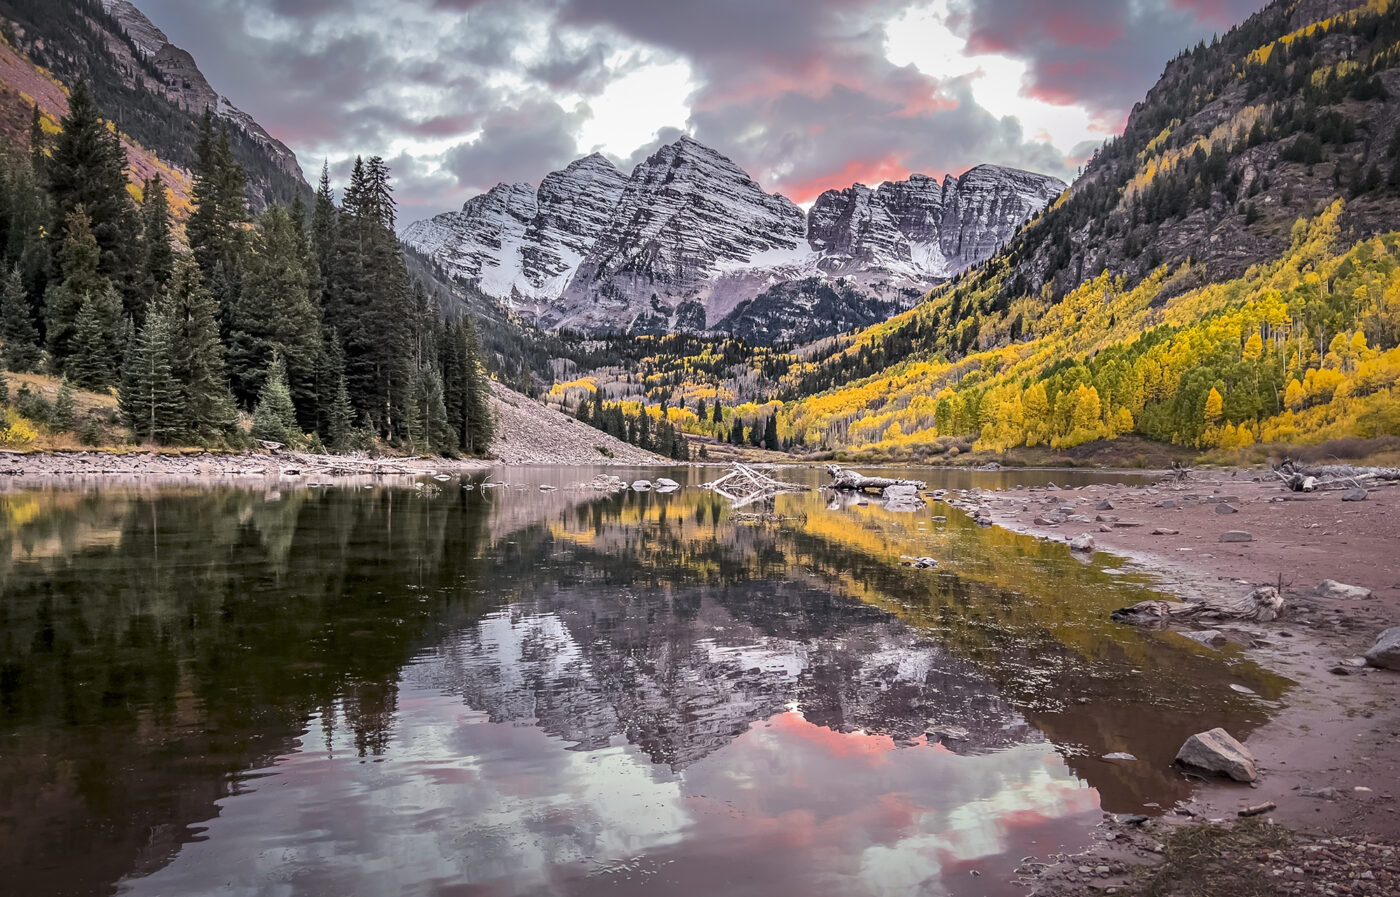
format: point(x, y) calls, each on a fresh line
point(25, 218)
point(157, 249)
point(150, 399)
point(701, 412)
point(275, 417)
point(342, 418)
point(19, 342)
point(215, 226)
point(770, 434)
point(719, 413)
point(61, 417)
point(736, 432)
point(87, 170)
point(323, 224)
point(96, 338)
point(197, 354)
point(79, 260)
point(38, 141)
point(274, 314)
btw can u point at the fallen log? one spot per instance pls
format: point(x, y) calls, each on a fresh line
point(743, 486)
point(851, 480)
point(1261, 605)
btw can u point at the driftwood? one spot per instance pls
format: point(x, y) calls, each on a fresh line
point(1261, 606)
point(1300, 478)
point(744, 486)
point(850, 480)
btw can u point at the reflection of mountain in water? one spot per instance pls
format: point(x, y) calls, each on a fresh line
point(682, 672)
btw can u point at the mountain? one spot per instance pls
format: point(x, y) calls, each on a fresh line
point(1223, 274)
point(919, 230)
point(521, 244)
point(150, 88)
point(691, 242)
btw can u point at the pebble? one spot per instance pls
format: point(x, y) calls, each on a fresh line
point(1236, 535)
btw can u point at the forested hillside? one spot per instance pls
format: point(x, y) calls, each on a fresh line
point(307, 318)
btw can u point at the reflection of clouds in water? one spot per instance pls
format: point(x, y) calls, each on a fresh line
point(459, 800)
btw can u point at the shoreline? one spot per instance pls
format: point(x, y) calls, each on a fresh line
point(1338, 724)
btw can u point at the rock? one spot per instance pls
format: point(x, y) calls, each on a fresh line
point(641, 486)
point(1168, 505)
point(1357, 494)
point(664, 483)
point(1129, 818)
point(1208, 637)
point(1166, 532)
point(1242, 689)
point(1330, 588)
point(920, 563)
point(1323, 793)
point(1226, 508)
point(1104, 505)
point(1120, 755)
point(901, 490)
point(1218, 752)
point(1105, 528)
point(1106, 518)
point(1385, 653)
point(1082, 542)
point(1236, 535)
point(1049, 520)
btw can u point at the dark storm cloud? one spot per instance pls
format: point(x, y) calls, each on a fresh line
point(461, 94)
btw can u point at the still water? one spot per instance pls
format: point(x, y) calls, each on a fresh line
point(374, 690)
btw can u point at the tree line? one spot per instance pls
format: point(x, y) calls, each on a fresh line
point(307, 318)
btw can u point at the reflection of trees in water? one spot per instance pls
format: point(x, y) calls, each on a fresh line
point(154, 646)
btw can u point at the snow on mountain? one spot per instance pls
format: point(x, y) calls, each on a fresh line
point(522, 245)
point(690, 237)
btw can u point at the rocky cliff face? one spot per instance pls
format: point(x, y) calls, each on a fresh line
point(184, 84)
point(920, 231)
point(691, 242)
point(522, 245)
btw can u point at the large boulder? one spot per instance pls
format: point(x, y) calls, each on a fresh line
point(1216, 751)
point(1385, 653)
point(1330, 588)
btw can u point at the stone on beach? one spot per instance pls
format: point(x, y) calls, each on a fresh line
point(1330, 588)
point(1357, 494)
point(1236, 535)
point(1385, 653)
point(1082, 542)
point(1218, 752)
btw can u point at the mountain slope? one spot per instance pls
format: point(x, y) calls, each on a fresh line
point(1226, 272)
point(153, 90)
point(689, 237)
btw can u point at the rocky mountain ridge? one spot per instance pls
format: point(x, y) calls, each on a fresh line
point(184, 84)
point(690, 237)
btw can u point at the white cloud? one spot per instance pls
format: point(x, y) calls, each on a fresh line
point(633, 108)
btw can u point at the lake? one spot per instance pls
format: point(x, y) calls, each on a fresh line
point(261, 688)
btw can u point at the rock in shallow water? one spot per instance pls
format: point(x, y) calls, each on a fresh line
point(1218, 752)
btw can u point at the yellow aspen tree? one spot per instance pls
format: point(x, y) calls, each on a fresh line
point(1215, 406)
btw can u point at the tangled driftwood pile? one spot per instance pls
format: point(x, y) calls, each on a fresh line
point(744, 486)
point(1301, 478)
point(1262, 605)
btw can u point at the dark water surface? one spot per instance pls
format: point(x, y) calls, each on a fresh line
point(249, 690)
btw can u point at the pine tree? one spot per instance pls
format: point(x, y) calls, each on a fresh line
point(770, 434)
point(274, 314)
point(150, 399)
point(157, 250)
point(96, 338)
point(215, 227)
point(275, 417)
point(87, 169)
point(197, 359)
point(79, 260)
point(61, 417)
point(482, 426)
point(719, 413)
point(701, 412)
point(38, 141)
point(323, 224)
point(342, 418)
point(736, 432)
point(19, 342)
point(26, 216)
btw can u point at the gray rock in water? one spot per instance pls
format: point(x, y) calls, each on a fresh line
point(1218, 752)
point(1120, 755)
point(1357, 494)
point(641, 486)
point(1322, 793)
point(1082, 542)
point(1226, 508)
point(1385, 653)
point(664, 483)
point(1330, 588)
point(1236, 535)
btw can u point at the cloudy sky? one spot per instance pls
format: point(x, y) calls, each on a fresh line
point(804, 94)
